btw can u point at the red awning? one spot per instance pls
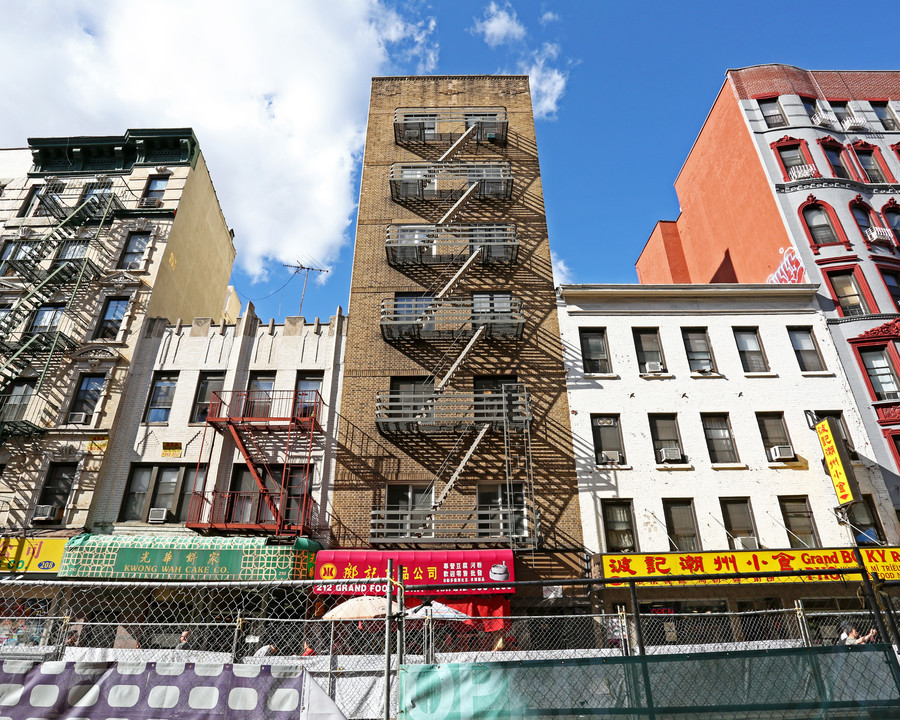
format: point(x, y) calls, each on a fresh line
point(420, 567)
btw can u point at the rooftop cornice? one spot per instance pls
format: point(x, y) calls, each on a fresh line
point(688, 291)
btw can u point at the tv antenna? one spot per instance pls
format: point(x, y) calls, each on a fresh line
point(307, 269)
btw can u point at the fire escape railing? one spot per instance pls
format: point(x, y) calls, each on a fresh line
point(450, 244)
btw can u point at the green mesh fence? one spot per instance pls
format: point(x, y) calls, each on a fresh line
point(837, 682)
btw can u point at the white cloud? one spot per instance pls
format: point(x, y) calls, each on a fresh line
point(500, 25)
point(548, 17)
point(562, 273)
point(276, 93)
point(548, 84)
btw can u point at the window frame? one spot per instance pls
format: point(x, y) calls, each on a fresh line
point(855, 273)
point(81, 397)
point(583, 334)
point(771, 441)
point(126, 264)
point(413, 515)
point(657, 442)
point(877, 158)
point(745, 355)
point(150, 191)
point(791, 329)
point(834, 223)
point(199, 404)
point(888, 349)
point(895, 273)
point(726, 520)
point(668, 505)
point(772, 102)
point(628, 505)
point(514, 511)
point(704, 417)
point(597, 438)
point(791, 532)
point(102, 328)
point(640, 351)
point(711, 364)
point(160, 377)
point(892, 208)
point(47, 492)
point(887, 118)
point(803, 147)
point(867, 502)
point(181, 499)
point(843, 156)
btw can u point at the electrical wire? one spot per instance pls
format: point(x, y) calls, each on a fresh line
point(244, 296)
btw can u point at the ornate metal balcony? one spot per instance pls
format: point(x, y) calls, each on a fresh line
point(851, 122)
point(880, 235)
point(450, 181)
point(445, 245)
point(477, 525)
point(446, 125)
point(801, 172)
point(449, 412)
point(427, 318)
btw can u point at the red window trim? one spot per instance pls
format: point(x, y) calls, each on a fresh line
point(888, 435)
point(864, 288)
point(835, 224)
point(882, 269)
point(787, 142)
point(841, 259)
point(884, 336)
point(876, 154)
point(896, 148)
point(874, 219)
point(849, 163)
point(894, 207)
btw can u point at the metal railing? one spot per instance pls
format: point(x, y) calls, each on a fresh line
point(248, 510)
point(445, 125)
point(444, 245)
point(449, 181)
point(489, 525)
point(432, 319)
point(279, 406)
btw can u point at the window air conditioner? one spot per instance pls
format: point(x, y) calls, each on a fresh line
point(655, 367)
point(134, 265)
point(670, 455)
point(611, 457)
point(77, 418)
point(412, 134)
point(746, 543)
point(159, 515)
point(149, 202)
point(46, 513)
point(780, 453)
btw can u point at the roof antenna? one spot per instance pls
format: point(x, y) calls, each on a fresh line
point(298, 268)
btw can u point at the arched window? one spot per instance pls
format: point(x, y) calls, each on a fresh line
point(870, 159)
point(836, 154)
point(819, 225)
point(863, 215)
point(891, 214)
point(794, 157)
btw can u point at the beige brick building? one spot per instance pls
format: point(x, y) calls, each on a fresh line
point(454, 429)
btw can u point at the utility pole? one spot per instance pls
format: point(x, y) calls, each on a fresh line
point(301, 268)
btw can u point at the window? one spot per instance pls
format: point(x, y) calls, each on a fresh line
point(161, 395)
point(58, 485)
point(864, 522)
point(46, 318)
point(154, 191)
point(805, 349)
point(834, 154)
point(489, 395)
point(792, 157)
point(99, 191)
point(134, 251)
point(47, 198)
point(699, 354)
point(892, 282)
point(863, 216)
point(74, 249)
point(809, 104)
point(871, 168)
point(749, 348)
point(413, 308)
point(12, 251)
point(419, 126)
point(819, 225)
point(14, 401)
point(408, 508)
point(260, 391)
point(501, 510)
point(111, 321)
point(607, 439)
point(410, 396)
point(880, 373)
point(309, 390)
point(719, 441)
point(798, 521)
point(846, 290)
point(159, 486)
point(885, 115)
point(738, 521)
point(666, 442)
point(771, 113)
point(891, 215)
point(681, 526)
point(491, 306)
point(209, 383)
point(86, 398)
point(774, 435)
point(618, 524)
point(649, 351)
point(31, 201)
point(841, 110)
point(594, 356)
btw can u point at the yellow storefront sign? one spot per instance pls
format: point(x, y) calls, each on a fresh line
point(32, 555)
point(836, 463)
point(699, 566)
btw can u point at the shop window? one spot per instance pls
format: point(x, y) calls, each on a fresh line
point(608, 447)
point(772, 113)
point(886, 116)
point(753, 359)
point(133, 253)
point(665, 438)
point(681, 525)
point(594, 355)
point(798, 521)
point(649, 351)
point(113, 314)
point(209, 383)
point(847, 293)
point(880, 372)
point(162, 393)
point(738, 520)
point(805, 349)
point(167, 489)
point(81, 411)
point(719, 440)
point(699, 353)
point(774, 435)
point(618, 525)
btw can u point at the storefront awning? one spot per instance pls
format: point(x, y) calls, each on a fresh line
point(168, 557)
point(420, 567)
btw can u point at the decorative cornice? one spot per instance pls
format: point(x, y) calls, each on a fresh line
point(888, 331)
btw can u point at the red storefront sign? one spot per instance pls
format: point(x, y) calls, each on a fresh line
point(420, 567)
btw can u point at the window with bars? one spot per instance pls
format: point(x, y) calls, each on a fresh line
point(847, 291)
point(697, 348)
point(594, 355)
point(649, 350)
point(798, 521)
point(738, 520)
point(618, 526)
point(753, 359)
point(880, 372)
point(681, 525)
point(719, 441)
point(665, 438)
point(805, 349)
point(771, 112)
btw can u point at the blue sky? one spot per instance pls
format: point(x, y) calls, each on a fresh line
point(277, 95)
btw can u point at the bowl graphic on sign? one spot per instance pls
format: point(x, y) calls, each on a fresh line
point(499, 572)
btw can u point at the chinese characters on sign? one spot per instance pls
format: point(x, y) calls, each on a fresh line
point(171, 449)
point(837, 463)
point(21, 556)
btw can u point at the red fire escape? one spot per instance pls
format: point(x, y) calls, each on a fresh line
point(275, 432)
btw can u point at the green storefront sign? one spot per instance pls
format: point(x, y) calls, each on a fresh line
point(151, 557)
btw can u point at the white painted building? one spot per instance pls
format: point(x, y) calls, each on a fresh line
point(688, 416)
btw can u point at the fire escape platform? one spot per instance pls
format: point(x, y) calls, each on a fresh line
point(426, 318)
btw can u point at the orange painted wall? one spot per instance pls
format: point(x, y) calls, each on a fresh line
point(662, 259)
point(729, 226)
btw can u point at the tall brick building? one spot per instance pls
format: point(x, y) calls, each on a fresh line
point(793, 178)
point(454, 430)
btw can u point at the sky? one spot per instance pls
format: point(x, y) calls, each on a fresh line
point(277, 93)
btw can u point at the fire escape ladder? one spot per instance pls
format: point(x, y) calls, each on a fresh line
point(460, 143)
point(460, 204)
point(518, 460)
point(451, 283)
point(439, 387)
point(239, 440)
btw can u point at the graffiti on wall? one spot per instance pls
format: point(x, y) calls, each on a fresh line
point(790, 270)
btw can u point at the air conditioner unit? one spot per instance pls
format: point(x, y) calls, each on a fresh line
point(134, 265)
point(150, 202)
point(823, 119)
point(612, 457)
point(670, 455)
point(746, 543)
point(159, 515)
point(77, 418)
point(412, 134)
point(780, 453)
point(655, 367)
point(46, 513)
